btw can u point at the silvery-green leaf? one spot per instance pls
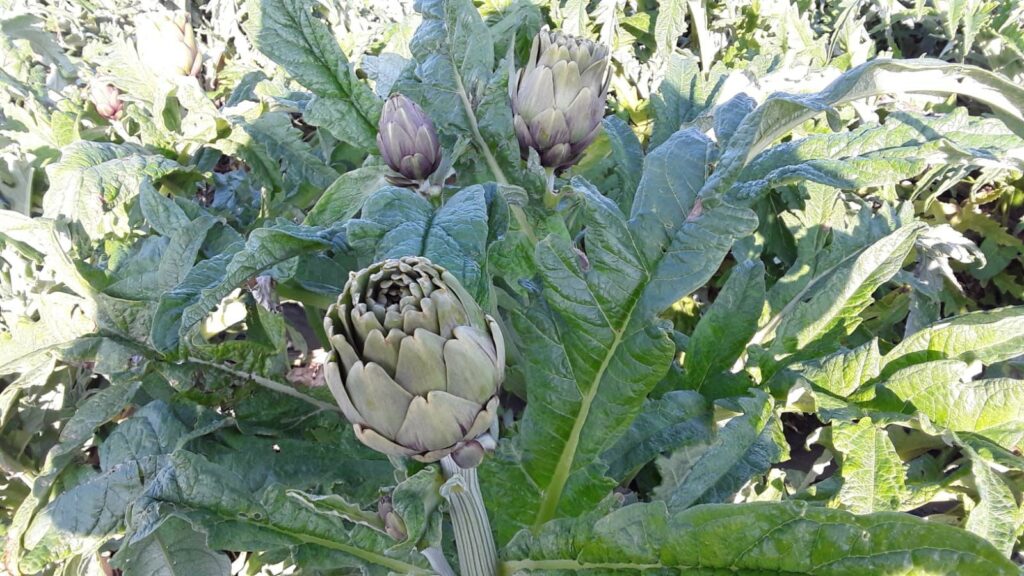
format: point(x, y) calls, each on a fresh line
point(291, 34)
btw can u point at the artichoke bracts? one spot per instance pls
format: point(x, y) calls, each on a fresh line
point(407, 140)
point(107, 99)
point(166, 44)
point(415, 363)
point(558, 98)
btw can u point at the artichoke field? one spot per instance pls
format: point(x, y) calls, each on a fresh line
point(481, 288)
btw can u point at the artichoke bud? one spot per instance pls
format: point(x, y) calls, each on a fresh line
point(393, 523)
point(166, 44)
point(107, 100)
point(558, 98)
point(407, 140)
point(415, 364)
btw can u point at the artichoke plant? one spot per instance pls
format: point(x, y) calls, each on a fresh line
point(407, 140)
point(558, 98)
point(166, 44)
point(415, 363)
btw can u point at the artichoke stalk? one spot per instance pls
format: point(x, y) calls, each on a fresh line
point(415, 364)
point(166, 44)
point(558, 98)
point(407, 140)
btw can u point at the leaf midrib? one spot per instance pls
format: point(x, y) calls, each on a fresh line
point(553, 493)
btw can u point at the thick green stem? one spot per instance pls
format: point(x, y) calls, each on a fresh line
point(478, 138)
point(492, 162)
point(550, 198)
point(267, 383)
point(473, 538)
point(437, 561)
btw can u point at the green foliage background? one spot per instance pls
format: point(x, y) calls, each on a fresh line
point(774, 325)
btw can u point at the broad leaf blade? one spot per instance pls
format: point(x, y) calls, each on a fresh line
point(756, 539)
point(291, 34)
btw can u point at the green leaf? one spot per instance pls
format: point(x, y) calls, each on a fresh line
point(397, 222)
point(679, 418)
point(782, 112)
point(227, 505)
point(291, 33)
point(986, 336)
point(723, 331)
point(682, 95)
point(94, 181)
point(873, 476)
point(591, 347)
point(345, 196)
point(996, 517)
point(669, 25)
point(744, 448)
point(897, 391)
point(152, 431)
point(453, 55)
point(92, 511)
point(669, 187)
point(614, 162)
point(843, 372)
point(184, 307)
point(277, 154)
point(174, 549)
point(730, 114)
point(756, 539)
point(879, 154)
point(834, 299)
point(417, 501)
point(943, 391)
point(161, 212)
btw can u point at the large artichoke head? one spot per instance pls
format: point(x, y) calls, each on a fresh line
point(558, 98)
point(415, 363)
point(407, 141)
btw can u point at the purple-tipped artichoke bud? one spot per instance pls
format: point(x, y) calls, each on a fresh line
point(558, 98)
point(407, 140)
point(166, 44)
point(415, 364)
point(393, 523)
point(107, 100)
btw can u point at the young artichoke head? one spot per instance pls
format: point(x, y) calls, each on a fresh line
point(166, 44)
point(558, 98)
point(407, 140)
point(107, 99)
point(415, 363)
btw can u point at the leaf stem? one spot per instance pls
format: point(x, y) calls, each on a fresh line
point(473, 537)
point(524, 224)
point(492, 162)
point(266, 383)
point(474, 128)
point(435, 557)
point(550, 198)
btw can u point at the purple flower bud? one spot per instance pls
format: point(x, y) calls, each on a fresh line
point(408, 142)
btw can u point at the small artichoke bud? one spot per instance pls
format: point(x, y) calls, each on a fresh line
point(558, 98)
point(415, 364)
point(107, 100)
point(166, 44)
point(407, 140)
point(393, 523)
